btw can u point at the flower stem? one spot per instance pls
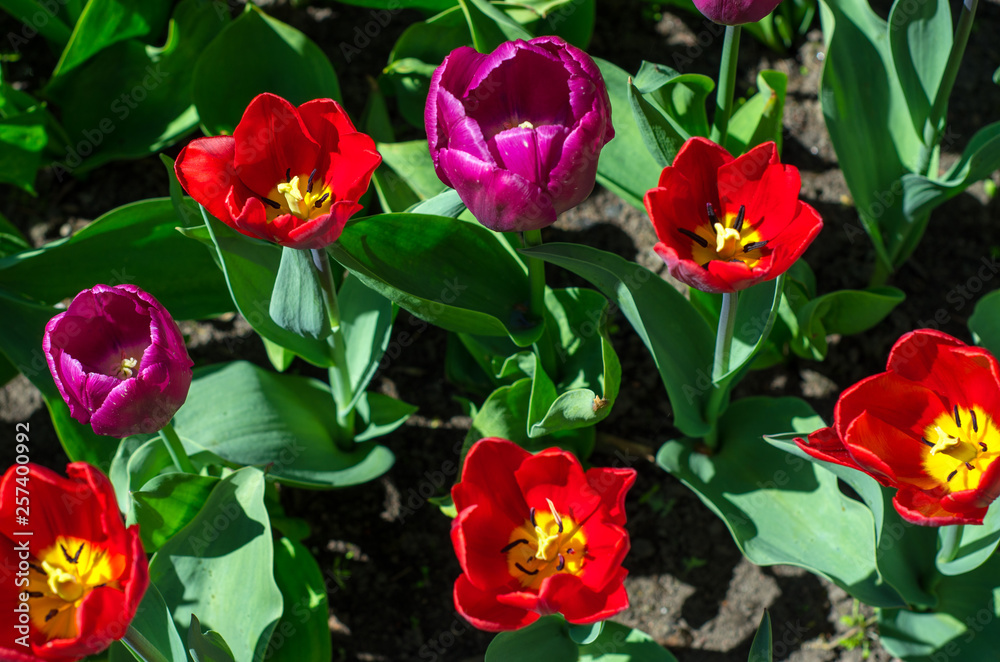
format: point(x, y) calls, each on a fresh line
point(724, 336)
point(727, 85)
point(140, 647)
point(340, 378)
point(536, 278)
point(176, 450)
point(951, 540)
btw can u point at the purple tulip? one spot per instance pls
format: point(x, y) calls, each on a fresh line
point(119, 360)
point(518, 132)
point(736, 12)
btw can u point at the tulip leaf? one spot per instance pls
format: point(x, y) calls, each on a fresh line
point(446, 203)
point(366, 320)
point(844, 312)
point(625, 166)
point(166, 504)
point(303, 633)
point(411, 160)
point(759, 119)
point(137, 460)
point(249, 416)
point(661, 137)
point(126, 245)
point(250, 267)
point(381, 415)
point(585, 634)
point(771, 500)
point(545, 640)
point(920, 39)
point(679, 339)
point(153, 622)
point(54, 29)
point(297, 302)
point(985, 321)
point(755, 313)
point(489, 26)
point(620, 643)
point(207, 646)
point(681, 97)
point(455, 274)
point(762, 650)
point(223, 558)
point(270, 56)
point(23, 138)
point(976, 544)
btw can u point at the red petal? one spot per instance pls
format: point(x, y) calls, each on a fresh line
point(484, 611)
point(826, 445)
point(899, 402)
point(556, 475)
point(205, 169)
point(271, 140)
point(689, 272)
point(888, 452)
point(611, 484)
point(922, 508)
point(580, 604)
point(479, 533)
point(699, 159)
point(768, 189)
point(790, 243)
point(488, 475)
point(348, 169)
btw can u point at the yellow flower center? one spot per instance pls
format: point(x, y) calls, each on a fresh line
point(299, 196)
point(961, 445)
point(547, 544)
point(728, 240)
point(126, 368)
point(62, 577)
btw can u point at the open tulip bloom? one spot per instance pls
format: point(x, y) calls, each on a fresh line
point(929, 426)
point(292, 176)
point(537, 535)
point(725, 224)
point(85, 571)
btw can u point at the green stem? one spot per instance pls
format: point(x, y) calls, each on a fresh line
point(536, 280)
point(720, 366)
point(727, 84)
point(340, 377)
point(176, 450)
point(935, 119)
point(141, 647)
point(951, 539)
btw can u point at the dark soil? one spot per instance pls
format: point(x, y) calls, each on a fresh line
point(385, 550)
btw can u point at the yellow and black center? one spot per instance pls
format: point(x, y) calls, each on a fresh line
point(547, 544)
point(961, 445)
point(301, 196)
point(728, 240)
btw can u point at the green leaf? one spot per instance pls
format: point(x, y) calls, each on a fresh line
point(207, 646)
point(658, 133)
point(303, 633)
point(137, 460)
point(366, 320)
point(678, 338)
point(166, 504)
point(220, 567)
point(620, 643)
point(454, 274)
point(152, 621)
point(985, 322)
point(759, 119)
point(680, 96)
point(573, 20)
point(771, 501)
point(545, 640)
point(625, 166)
point(250, 267)
point(53, 29)
point(761, 650)
point(489, 26)
point(381, 415)
point(844, 312)
point(920, 38)
point(286, 423)
point(976, 545)
point(585, 634)
point(446, 203)
point(297, 302)
point(22, 139)
point(412, 162)
point(269, 56)
point(755, 313)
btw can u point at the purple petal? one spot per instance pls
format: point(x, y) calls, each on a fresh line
point(531, 153)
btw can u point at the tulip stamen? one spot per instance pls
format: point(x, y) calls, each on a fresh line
point(270, 203)
point(754, 245)
point(975, 424)
point(76, 557)
point(958, 420)
point(713, 220)
point(52, 614)
point(701, 241)
point(510, 546)
point(738, 225)
point(531, 515)
point(562, 563)
point(309, 184)
point(525, 570)
point(321, 200)
point(288, 174)
point(38, 569)
point(952, 475)
point(926, 442)
point(983, 446)
point(35, 594)
point(555, 515)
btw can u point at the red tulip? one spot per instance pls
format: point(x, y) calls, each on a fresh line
point(725, 224)
point(288, 175)
point(76, 574)
point(536, 535)
point(929, 426)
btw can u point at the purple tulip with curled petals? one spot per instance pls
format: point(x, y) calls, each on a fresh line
point(119, 360)
point(517, 132)
point(736, 12)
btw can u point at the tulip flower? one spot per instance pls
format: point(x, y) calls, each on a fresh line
point(927, 427)
point(517, 132)
point(725, 224)
point(535, 535)
point(119, 360)
point(292, 176)
point(81, 572)
point(736, 12)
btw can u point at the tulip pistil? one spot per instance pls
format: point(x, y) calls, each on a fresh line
point(728, 240)
point(299, 196)
point(961, 444)
point(547, 543)
point(126, 367)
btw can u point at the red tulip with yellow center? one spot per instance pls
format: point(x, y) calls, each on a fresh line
point(929, 426)
point(78, 574)
point(725, 224)
point(537, 535)
point(288, 175)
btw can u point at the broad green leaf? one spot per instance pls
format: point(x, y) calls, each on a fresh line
point(658, 133)
point(680, 96)
point(22, 139)
point(11, 239)
point(166, 504)
point(985, 321)
point(250, 268)
point(545, 640)
point(36, 20)
point(381, 415)
point(125, 245)
point(844, 312)
point(456, 275)
point(412, 162)
point(976, 545)
point(138, 460)
point(625, 166)
point(761, 650)
point(152, 621)
point(920, 38)
point(394, 6)
point(573, 20)
point(759, 119)
point(620, 643)
point(220, 567)
point(489, 26)
point(207, 646)
point(267, 56)
point(366, 319)
point(146, 105)
point(771, 500)
point(446, 203)
point(755, 313)
point(678, 338)
point(297, 302)
point(303, 633)
point(286, 423)
point(585, 634)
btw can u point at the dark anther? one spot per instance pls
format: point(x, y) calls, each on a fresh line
point(983, 446)
point(958, 421)
point(38, 569)
point(738, 225)
point(76, 557)
point(571, 551)
point(975, 424)
point(561, 564)
point(532, 515)
point(35, 594)
point(288, 174)
point(52, 614)
point(927, 442)
point(319, 203)
point(525, 571)
point(969, 466)
point(712, 218)
point(512, 545)
point(309, 186)
point(558, 520)
point(701, 241)
point(754, 245)
point(705, 266)
point(952, 475)
point(270, 203)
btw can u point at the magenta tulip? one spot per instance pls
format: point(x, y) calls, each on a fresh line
point(119, 360)
point(736, 12)
point(517, 132)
